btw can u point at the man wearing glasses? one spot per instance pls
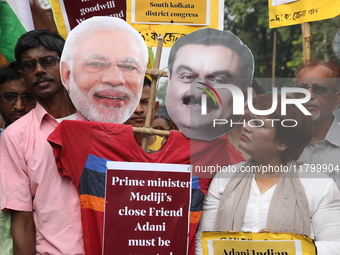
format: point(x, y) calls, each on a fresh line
point(15, 98)
point(15, 101)
point(44, 207)
point(102, 67)
point(322, 80)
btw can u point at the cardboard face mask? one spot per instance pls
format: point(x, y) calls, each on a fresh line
point(104, 74)
point(200, 63)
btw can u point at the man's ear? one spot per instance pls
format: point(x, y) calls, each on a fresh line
point(156, 107)
point(337, 100)
point(65, 74)
point(282, 147)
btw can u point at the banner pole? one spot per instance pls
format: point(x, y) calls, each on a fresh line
point(306, 42)
point(274, 60)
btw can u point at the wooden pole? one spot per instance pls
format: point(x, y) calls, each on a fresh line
point(150, 131)
point(306, 42)
point(152, 97)
point(156, 72)
point(274, 60)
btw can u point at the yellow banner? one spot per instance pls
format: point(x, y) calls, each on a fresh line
point(246, 243)
point(213, 9)
point(301, 11)
point(211, 13)
point(186, 12)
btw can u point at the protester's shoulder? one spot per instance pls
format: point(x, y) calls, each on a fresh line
point(311, 179)
point(178, 139)
point(318, 185)
point(238, 165)
point(21, 125)
point(178, 134)
point(226, 171)
point(338, 126)
point(335, 121)
point(79, 122)
point(222, 177)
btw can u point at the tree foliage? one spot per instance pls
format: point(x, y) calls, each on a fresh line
point(248, 19)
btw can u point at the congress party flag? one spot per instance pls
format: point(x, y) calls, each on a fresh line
point(15, 20)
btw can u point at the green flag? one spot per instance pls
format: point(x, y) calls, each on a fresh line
point(15, 20)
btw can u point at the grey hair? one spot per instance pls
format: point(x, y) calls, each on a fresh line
point(94, 24)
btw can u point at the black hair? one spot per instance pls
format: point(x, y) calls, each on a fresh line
point(164, 118)
point(39, 37)
point(9, 73)
point(147, 82)
point(213, 37)
point(297, 137)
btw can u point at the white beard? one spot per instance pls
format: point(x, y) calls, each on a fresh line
point(82, 100)
point(316, 116)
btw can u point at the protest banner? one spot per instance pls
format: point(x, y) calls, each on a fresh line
point(286, 13)
point(68, 14)
point(147, 208)
point(247, 243)
point(149, 18)
point(189, 12)
point(173, 19)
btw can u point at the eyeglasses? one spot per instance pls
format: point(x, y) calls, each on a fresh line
point(47, 62)
point(219, 79)
point(126, 67)
point(12, 98)
point(317, 89)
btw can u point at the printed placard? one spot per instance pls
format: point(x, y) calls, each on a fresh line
point(147, 208)
point(247, 243)
point(278, 2)
point(187, 12)
point(168, 29)
point(76, 11)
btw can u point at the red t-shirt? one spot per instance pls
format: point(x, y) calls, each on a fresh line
point(82, 148)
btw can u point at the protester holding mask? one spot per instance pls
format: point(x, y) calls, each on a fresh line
point(274, 201)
